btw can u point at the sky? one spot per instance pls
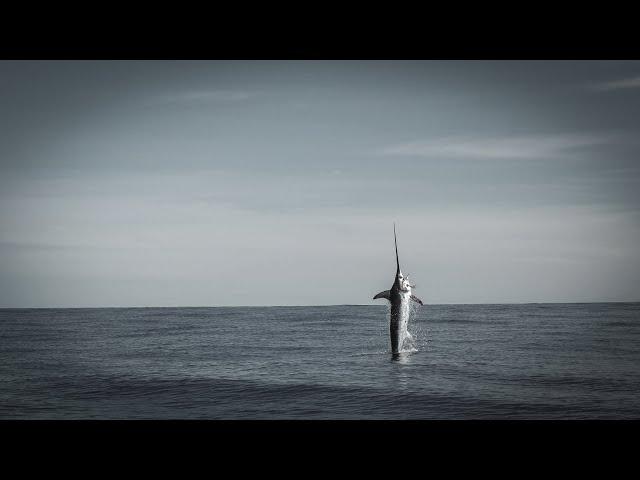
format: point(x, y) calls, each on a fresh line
point(206, 183)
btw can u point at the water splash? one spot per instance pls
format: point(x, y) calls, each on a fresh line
point(416, 333)
point(408, 342)
point(410, 334)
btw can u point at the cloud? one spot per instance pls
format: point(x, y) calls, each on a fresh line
point(517, 147)
point(204, 97)
point(625, 83)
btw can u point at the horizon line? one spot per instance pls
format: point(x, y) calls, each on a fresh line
point(323, 305)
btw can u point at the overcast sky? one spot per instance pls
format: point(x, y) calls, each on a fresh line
point(169, 183)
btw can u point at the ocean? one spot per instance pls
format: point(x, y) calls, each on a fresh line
point(524, 361)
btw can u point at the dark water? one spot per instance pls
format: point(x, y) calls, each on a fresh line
point(473, 361)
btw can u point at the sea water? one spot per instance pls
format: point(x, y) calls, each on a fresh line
point(533, 361)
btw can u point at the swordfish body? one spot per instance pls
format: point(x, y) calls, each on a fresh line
point(399, 297)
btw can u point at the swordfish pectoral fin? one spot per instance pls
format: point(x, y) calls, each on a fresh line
point(386, 294)
point(416, 299)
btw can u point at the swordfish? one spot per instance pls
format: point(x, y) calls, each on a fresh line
point(399, 296)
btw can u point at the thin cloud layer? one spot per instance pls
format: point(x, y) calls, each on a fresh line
point(626, 83)
point(200, 97)
point(516, 147)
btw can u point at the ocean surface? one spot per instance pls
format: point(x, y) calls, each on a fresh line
point(532, 361)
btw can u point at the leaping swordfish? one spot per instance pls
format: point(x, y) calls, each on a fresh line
point(399, 297)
